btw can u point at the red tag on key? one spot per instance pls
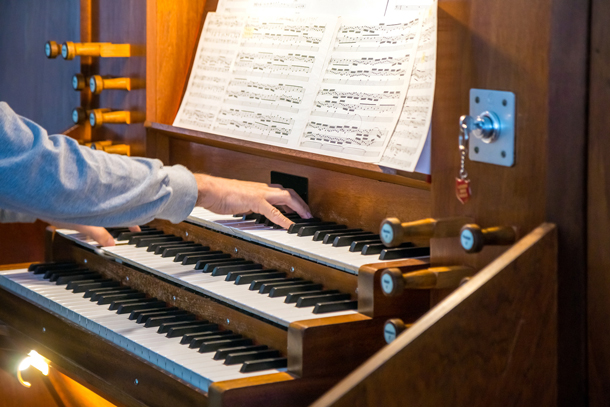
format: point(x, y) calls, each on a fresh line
point(462, 190)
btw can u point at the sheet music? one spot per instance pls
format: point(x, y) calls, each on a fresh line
point(345, 8)
point(409, 138)
point(211, 71)
point(363, 88)
point(274, 77)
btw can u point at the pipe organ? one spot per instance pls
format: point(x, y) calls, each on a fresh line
point(396, 293)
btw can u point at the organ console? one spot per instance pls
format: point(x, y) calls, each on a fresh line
point(226, 310)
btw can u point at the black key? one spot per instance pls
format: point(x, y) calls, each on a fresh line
point(259, 219)
point(249, 216)
point(154, 246)
point(216, 257)
point(283, 291)
point(312, 229)
point(63, 267)
point(76, 277)
point(311, 301)
point(36, 266)
point(357, 245)
point(256, 284)
point(148, 241)
point(320, 235)
point(197, 339)
point(116, 232)
point(225, 262)
point(224, 270)
point(294, 297)
point(298, 223)
point(374, 248)
point(109, 298)
point(330, 237)
point(236, 358)
point(175, 330)
point(106, 290)
point(324, 307)
point(145, 316)
point(263, 364)
point(342, 241)
point(140, 306)
point(49, 273)
point(175, 251)
point(213, 346)
point(222, 353)
point(248, 276)
point(83, 285)
point(404, 253)
point(72, 284)
point(135, 314)
point(164, 328)
point(145, 235)
point(157, 321)
point(266, 288)
point(115, 305)
point(194, 257)
point(160, 248)
point(181, 331)
point(128, 235)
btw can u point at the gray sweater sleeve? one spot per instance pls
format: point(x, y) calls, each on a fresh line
point(53, 178)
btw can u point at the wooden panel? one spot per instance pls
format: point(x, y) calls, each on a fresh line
point(492, 342)
point(598, 221)
point(172, 35)
point(538, 51)
point(122, 22)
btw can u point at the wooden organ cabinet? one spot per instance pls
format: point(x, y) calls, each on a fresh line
point(527, 328)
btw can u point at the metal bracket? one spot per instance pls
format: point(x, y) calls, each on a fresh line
point(494, 111)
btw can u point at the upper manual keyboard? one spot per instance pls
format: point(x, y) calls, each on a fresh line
point(327, 243)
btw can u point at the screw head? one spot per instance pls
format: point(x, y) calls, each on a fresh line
point(228, 321)
point(186, 233)
point(136, 382)
point(477, 100)
point(44, 329)
point(85, 261)
point(292, 269)
point(504, 102)
point(174, 298)
point(503, 154)
point(127, 278)
point(235, 250)
point(476, 150)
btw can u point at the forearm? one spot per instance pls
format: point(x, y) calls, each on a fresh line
point(55, 178)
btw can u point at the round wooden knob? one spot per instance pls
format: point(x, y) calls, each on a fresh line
point(391, 232)
point(78, 81)
point(471, 238)
point(51, 49)
point(96, 118)
point(68, 50)
point(79, 115)
point(392, 328)
point(392, 282)
point(96, 84)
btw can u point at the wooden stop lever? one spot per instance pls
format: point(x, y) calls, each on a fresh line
point(473, 238)
point(394, 232)
point(392, 328)
point(394, 282)
point(98, 83)
point(51, 49)
point(97, 117)
point(70, 50)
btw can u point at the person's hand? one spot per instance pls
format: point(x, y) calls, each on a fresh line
point(229, 197)
point(97, 233)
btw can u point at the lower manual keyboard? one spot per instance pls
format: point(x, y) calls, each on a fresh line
point(222, 359)
point(271, 304)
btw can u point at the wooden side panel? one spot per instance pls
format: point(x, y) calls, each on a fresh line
point(598, 221)
point(491, 342)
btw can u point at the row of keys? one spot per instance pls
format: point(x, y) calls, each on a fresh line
point(170, 321)
point(325, 242)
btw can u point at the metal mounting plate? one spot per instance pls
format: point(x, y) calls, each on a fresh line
point(502, 150)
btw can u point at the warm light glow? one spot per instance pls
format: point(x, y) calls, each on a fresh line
point(36, 360)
